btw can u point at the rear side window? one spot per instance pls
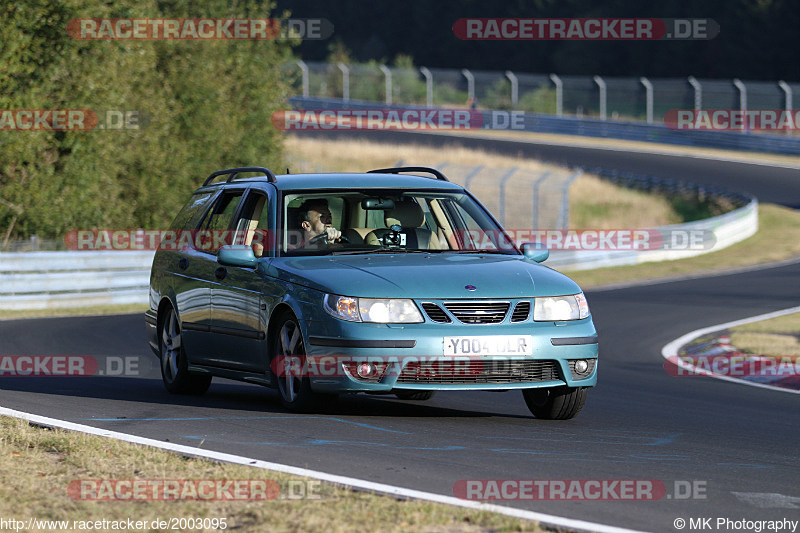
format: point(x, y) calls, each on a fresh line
point(191, 212)
point(215, 228)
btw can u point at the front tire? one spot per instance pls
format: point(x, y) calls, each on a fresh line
point(289, 360)
point(175, 363)
point(555, 403)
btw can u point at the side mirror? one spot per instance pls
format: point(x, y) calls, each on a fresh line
point(238, 255)
point(535, 251)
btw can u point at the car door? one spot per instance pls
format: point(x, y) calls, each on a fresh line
point(189, 273)
point(212, 232)
point(239, 310)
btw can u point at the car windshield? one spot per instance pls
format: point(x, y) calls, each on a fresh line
point(388, 221)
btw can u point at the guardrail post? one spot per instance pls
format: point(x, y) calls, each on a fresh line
point(648, 87)
point(698, 92)
point(470, 84)
point(514, 87)
point(563, 214)
point(388, 76)
point(304, 70)
point(559, 94)
point(742, 100)
point(535, 208)
point(787, 91)
point(345, 81)
point(428, 84)
point(601, 84)
point(503, 180)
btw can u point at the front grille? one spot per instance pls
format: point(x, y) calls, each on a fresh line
point(435, 312)
point(521, 312)
point(449, 371)
point(478, 312)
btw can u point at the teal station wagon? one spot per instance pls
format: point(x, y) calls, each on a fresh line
point(393, 281)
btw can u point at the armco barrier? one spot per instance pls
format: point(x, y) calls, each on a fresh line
point(634, 131)
point(727, 229)
point(45, 280)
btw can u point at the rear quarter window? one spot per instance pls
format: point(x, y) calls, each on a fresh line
point(190, 214)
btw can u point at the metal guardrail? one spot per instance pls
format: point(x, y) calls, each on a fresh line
point(50, 280)
point(588, 127)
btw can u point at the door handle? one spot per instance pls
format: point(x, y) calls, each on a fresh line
point(220, 273)
point(183, 264)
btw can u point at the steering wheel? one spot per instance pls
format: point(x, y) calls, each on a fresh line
point(323, 238)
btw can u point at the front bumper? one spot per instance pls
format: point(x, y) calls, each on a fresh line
point(411, 357)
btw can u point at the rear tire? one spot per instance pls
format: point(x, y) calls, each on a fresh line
point(295, 390)
point(418, 396)
point(174, 362)
point(556, 403)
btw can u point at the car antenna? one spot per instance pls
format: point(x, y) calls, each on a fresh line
point(287, 170)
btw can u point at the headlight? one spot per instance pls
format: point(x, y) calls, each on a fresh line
point(557, 308)
point(379, 310)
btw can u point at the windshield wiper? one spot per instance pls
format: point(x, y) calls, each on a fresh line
point(380, 251)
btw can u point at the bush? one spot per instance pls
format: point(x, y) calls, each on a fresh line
point(204, 105)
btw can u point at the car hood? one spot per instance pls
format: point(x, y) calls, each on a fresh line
point(439, 275)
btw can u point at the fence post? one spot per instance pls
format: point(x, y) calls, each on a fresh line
point(428, 84)
point(698, 92)
point(345, 81)
point(742, 100)
point(535, 209)
point(503, 180)
point(559, 94)
point(648, 87)
point(304, 70)
point(563, 214)
point(470, 84)
point(388, 76)
point(471, 175)
point(787, 91)
point(601, 84)
point(514, 87)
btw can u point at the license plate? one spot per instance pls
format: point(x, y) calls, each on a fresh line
point(489, 345)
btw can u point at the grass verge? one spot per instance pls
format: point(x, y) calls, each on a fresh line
point(776, 336)
point(94, 310)
point(37, 465)
point(778, 239)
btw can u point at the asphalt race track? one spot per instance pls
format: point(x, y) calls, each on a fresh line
point(737, 442)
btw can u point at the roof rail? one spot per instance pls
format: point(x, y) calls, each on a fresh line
point(398, 170)
point(235, 172)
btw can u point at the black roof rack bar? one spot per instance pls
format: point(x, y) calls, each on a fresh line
point(235, 171)
point(398, 170)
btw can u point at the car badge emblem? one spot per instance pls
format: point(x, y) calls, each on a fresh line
point(471, 287)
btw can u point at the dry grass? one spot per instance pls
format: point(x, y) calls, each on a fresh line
point(598, 204)
point(37, 465)
point(594, 203)
point(778, 239)
point(776, 336)
point(74, 311)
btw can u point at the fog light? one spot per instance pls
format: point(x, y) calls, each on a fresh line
point(364, 370)
point(581, 366)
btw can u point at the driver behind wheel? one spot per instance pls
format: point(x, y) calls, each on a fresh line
point(316, 220)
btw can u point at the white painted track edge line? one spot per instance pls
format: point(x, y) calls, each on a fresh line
point(332, 478)
point(671, 349)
